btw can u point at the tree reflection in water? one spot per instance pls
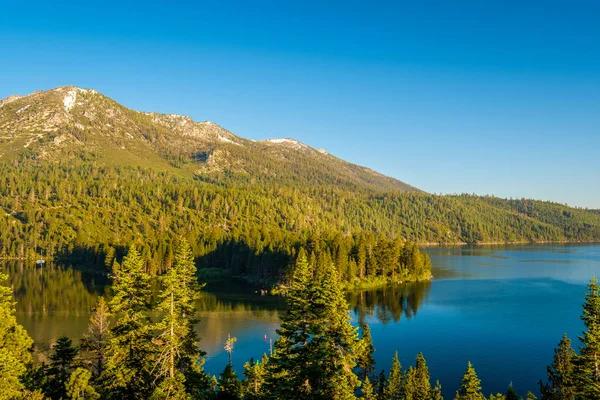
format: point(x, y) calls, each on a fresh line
point(389, 303)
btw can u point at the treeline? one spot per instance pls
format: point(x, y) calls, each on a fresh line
point(80, 210)
point(318, 355)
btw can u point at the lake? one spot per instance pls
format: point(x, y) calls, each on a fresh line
point(504, 308)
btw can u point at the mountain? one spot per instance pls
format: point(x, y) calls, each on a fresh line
point(68, 121)
point(82, 177)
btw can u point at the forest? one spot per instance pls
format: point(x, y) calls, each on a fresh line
point(318, 355)
point(81, 211)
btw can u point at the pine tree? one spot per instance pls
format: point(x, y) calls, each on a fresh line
point(511, 393)
point(130, 350)
point(255, 377)
point(588, 361)
point(171, 388)
point(470, 385)
point(97, 338)
point(365, 361)
point(78, 386)
point(394, 388)
point(417, 381)
point(315, 354)
point(561, 373)
point(230, 387)
point(179, 351)
point(15, 345)
point(436, 392)
point(367, 390)
point(381, 385)
point(59, 370)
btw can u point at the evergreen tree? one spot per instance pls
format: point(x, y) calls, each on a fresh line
point(436, 392)
point(588, 361)
point(97, 338)
point(394, 388)
point(561, 373)
point(171, 388)
point(255, 377)
point(179, 351)
point(417, 385)
point(59, 370)
point(230, 387)
point(15, 345)
point(78, 386)
point(381, 385)
point(470, 385)
point(511, 393)
point(367, 390)
point(365, 361)
point(131, 349)
point(315, 354)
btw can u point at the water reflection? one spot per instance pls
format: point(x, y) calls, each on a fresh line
point(53, 289)
point(389, 303)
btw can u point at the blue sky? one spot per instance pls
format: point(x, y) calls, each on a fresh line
point(482, 97)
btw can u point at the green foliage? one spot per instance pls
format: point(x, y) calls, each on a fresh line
point(365, 349)
point(562, 384)
point(95, 342)
point(255, 373)
point(179, 352)
point(588, 361)
point(470, 385)
point(511, 393)
point(394, 389)
point(230, 387)
point(59, 370)
point(367, 390)
point(172, 388)
point(131, 350)
point(78, 386)
point(436, 392)
point(15, 345)
point(315, 354)
point(417, 385)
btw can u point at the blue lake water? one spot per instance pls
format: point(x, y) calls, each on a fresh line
point(504, 308)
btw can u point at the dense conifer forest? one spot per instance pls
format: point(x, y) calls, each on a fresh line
point(81, 211)
point(318, 355)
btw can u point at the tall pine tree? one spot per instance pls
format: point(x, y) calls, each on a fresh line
point(561, 383)
point(365, 361)
point(317, 347)
point(61, 365)
point(588, 362)
point(180, 359)
point(130, 352)
point(470, 385)
point(394, 388)
point(96, 340)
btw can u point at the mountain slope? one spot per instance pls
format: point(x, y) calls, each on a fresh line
point(82, 175)
point(68, 121)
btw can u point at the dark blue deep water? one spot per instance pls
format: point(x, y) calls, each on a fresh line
point(504, 308)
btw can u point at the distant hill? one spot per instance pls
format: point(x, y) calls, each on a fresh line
point(81, 175)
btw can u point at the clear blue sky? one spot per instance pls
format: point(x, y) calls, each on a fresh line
point(452, 96)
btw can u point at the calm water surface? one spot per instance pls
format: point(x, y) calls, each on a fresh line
point(504, 308)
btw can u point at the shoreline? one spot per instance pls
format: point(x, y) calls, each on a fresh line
point(523, 242)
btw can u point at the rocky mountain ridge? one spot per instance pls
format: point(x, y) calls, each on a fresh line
point(67, 121)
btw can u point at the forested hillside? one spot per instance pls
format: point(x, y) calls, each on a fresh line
point(81, 177)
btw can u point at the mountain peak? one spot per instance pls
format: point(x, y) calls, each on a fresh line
point(68, 121)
